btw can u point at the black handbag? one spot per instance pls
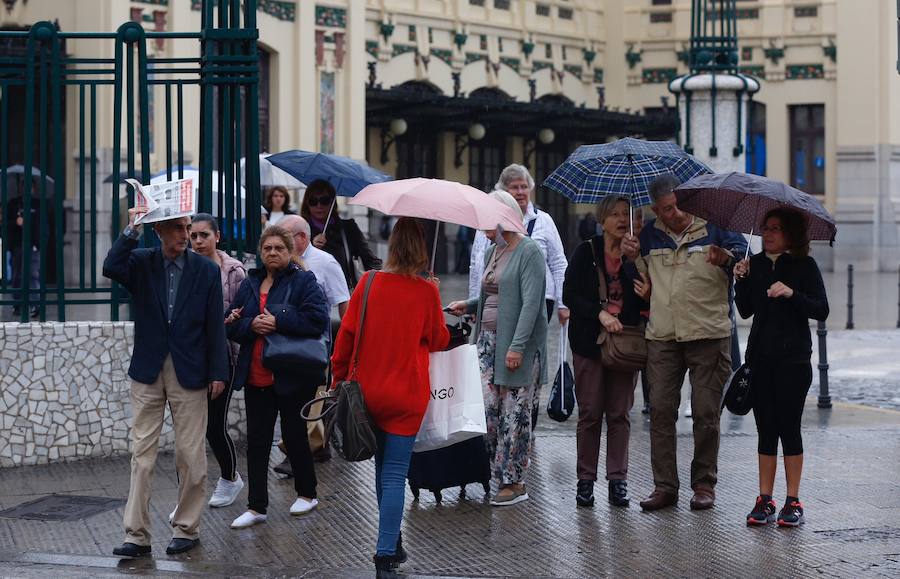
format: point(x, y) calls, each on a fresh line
point(284, 352)
point(738, 394)
point(347, 421)
point(562, 394)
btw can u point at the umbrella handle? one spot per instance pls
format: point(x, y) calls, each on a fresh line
point(330, 211)
point(631, 219)
point(437, 225)
point(747, 252)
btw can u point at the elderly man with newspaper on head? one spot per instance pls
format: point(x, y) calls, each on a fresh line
point(180, 356)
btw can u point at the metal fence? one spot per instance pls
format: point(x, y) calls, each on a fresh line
point(54, 239)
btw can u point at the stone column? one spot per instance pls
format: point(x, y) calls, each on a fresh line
point(713, 113)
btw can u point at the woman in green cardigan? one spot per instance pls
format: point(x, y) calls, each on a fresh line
point(512, 337)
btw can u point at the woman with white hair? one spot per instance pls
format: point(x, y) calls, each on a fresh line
point(512, 339)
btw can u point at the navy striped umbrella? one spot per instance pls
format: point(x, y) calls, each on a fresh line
point(624, 167)
point(738, 202)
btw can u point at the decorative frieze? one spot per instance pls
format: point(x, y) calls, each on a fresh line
point(399, 49)
point(443, 54)
point(804, 71)
point(513, 63)
point(658, 75)
point(331, 17)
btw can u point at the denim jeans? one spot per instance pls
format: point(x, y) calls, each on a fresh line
point(391, 467)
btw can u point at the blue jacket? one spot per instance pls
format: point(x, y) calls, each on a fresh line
point(195, 338)
point(310, 319)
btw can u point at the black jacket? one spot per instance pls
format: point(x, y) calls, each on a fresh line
point(335, 233)
point(780, 329)
point(195, 338)
point(581, 293)
point(310, 320)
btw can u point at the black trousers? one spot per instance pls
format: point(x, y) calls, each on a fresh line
point(779, 393)
point(217, 434)
point(264, 405)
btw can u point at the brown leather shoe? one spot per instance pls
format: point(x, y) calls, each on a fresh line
point(704, 498)
point(659, 500)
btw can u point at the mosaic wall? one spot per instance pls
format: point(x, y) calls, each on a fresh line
point(65, 393)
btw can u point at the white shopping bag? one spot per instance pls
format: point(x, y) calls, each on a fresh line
point(456, 405)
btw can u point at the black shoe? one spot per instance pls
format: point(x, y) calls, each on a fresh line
point(400, 552)
point(181, 545)
point(791, 515)
point(284, 467)
point(618, 493)
point(584, 494)
point(131, 550)
point(763, 512)
point(321, 455)
point(385, 566)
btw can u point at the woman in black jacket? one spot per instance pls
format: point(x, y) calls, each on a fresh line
point(339, 237)
point(782, 289)
point(601, 391)
point(256, 313)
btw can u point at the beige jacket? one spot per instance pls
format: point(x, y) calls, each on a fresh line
point(689, 299)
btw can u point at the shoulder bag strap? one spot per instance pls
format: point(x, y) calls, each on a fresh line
point(532, 223)
point(362, 318)
point(601, 278)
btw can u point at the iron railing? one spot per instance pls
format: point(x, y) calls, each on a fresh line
point(43, 88)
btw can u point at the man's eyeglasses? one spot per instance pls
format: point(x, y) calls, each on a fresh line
point(326, 200)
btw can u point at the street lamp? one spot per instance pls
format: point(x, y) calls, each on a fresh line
point(396, 128)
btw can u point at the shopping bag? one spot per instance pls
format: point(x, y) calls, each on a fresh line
point(456, 405)
point(562, 394)
point(315, 429)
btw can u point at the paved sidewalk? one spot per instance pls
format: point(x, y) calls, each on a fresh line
point(851, 490)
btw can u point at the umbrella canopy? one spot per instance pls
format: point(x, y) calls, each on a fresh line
point(624, 167)
point(347, 176)
point(270, 175)
point(439, 200)
point(15, 182)
point(738, 202)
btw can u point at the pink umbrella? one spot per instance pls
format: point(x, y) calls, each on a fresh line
point(439, 200)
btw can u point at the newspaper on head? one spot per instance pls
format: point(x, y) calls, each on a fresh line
point(169, 200)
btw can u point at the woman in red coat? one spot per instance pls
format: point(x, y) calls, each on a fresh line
point(403, 324)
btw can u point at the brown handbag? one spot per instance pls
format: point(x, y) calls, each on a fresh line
point(625, 351)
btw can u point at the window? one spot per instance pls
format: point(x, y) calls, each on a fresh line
point(565, 13)
point(756, 139)
point(501, 4)
point(548, 51)
point(807, 126)
point(661, 2)
point(805, 12)
point(476, 2)
point(542, 9)
point(547, 158)
point(656, 17)
point(487, 158)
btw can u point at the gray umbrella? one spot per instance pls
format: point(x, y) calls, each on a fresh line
point(15, 182)
point(738, 201)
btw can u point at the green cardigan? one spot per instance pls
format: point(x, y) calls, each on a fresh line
point(521, 319)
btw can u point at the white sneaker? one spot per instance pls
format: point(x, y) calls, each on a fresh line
point(248, 519)
point(226, 492)
point(172, 515)
point(302, 506)
point(687, 411)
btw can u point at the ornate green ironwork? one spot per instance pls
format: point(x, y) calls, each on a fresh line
point(527, 48)
point(331, 17)
point(658, 75)
point(830, 51)
point(474, 57)
point(575, 69)
point(774, 54)
point(459, 39)
point(386, 29)
point(513, 63)
point(541, 65)
point(399, 49)
point(804, 71)
point(589, 55)
point(713, 36)
point(372, 47)
point(756, 70)
point(633, 57)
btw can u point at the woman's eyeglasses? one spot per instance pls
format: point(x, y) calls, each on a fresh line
point(313, 201)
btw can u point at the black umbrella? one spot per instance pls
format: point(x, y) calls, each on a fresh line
point(15, 182)
point(738, 201)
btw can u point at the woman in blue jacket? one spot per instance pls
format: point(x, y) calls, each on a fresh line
point(257, 311)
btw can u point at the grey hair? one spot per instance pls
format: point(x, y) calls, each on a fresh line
point(506, 199)
point(662, 186)
point(513, 172)
point(607, 204)
point(295, 224)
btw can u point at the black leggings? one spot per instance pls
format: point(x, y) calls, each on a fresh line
point(779, 393)
point(217, 434)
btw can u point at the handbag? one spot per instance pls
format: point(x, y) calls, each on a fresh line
point(354, 263)
point(347, 421)
point(625, 351)
point(562, 395)
point(455, 409)
point(286, 353)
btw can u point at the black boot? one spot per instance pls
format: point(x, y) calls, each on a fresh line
point(618, 493)
point(385, 566)
point(400, 552)
point(584, 495)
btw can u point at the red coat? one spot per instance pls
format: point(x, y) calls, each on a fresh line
point(404, 322)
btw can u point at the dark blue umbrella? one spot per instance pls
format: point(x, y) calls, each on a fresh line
point(624, 167)
point(347, 176)
point(739, 201)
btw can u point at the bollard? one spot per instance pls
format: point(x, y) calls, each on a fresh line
point(850, 296)
point(824, 396)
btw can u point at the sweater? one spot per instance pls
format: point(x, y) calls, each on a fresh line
point(581, 291)
point(403, 324)
point(521, 314)
point(780, 329)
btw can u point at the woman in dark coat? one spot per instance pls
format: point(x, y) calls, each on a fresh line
point(339, 237)
point(256, 313)
point(602, 393)
point(782, 289)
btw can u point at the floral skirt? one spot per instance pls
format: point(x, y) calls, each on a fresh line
point(508, 414)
